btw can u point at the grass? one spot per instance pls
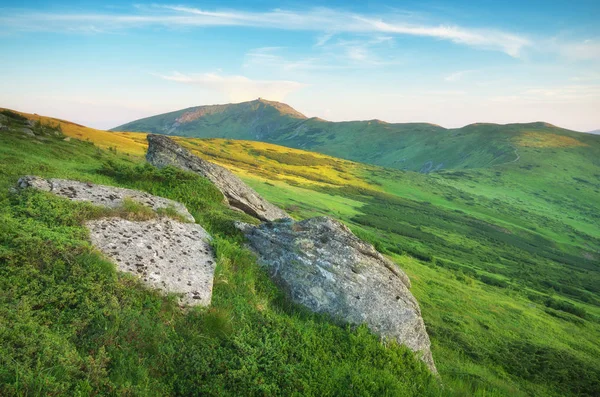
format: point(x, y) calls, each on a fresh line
point(70, 324)
point(503, 259)
point(507, 279)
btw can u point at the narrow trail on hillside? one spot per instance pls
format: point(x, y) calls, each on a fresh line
point(516, 153)
point(512, 161)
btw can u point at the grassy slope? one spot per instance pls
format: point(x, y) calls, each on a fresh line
point(504, 273)
point(503, 260)
point(71, 325)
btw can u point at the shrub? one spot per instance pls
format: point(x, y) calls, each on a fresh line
point(15, 116)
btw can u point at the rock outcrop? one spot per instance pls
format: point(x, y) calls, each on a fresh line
point(166, 254)
point(163, 151)
point(106, 196)
point(323, 266)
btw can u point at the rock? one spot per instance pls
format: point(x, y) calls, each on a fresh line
point(34, 182)
point(163, 151)
point(320, 264)
point(106, 196)
point(26, 131)
point(167, 255)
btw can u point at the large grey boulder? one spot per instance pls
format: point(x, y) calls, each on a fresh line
point(163, 151)
point(106, 196)
point(322, 265)
point(168, 255)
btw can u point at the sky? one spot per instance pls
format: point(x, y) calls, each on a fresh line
point(450, 63)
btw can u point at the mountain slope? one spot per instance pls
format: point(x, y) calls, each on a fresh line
point(247, 120)
point(71, 325)
point(504, 260)
point(411, 146)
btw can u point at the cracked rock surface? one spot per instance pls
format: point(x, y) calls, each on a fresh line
point(163, 151)
point(320, 264)
point(106, 196)
point(167, 255)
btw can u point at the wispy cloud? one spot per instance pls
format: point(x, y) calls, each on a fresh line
point(335, 54)
point(583, 50)
point(511, 44)
point(328, 21)
point(237, 88)
point(322, 39)
point(457, 76)
point(271, 57)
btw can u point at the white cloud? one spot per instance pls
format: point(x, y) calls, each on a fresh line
point(321, 40)
point(456, 76)
point(335, 54)
point(584, 50)
point(238, 88)
point(270, 57)
point(487, 39)
point(324, 20)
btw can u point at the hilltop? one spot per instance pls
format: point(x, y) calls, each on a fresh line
point(418, 147)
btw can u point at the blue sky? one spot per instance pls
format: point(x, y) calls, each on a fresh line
point(449, 63)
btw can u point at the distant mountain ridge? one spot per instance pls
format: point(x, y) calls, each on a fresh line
point(419, 147)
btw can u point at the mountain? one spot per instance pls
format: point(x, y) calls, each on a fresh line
point(504, 261)
point(594, 132)
point(408, 146)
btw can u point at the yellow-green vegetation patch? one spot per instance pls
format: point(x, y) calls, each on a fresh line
point(277, 162)
point(547, 140)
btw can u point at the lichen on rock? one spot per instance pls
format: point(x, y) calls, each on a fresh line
point(322, 265)
point(105, 196)
point(163, 151)
point(168, 255)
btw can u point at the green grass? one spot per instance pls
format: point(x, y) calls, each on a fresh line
point(70, 324)
point(504, 261)
point(507, 279)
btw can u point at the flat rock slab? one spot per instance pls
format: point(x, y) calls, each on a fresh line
point(167, 255)
point(106, 196)
point(320, 264)
point(163, 151)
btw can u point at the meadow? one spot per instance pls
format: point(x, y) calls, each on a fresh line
point(70, 324)
point(504, 262)
point(507, 277)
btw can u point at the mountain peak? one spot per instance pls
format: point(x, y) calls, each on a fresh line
point(283, 108)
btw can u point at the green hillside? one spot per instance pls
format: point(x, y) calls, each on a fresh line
point(413, 146)
point(71, 325)
point(504, 261)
